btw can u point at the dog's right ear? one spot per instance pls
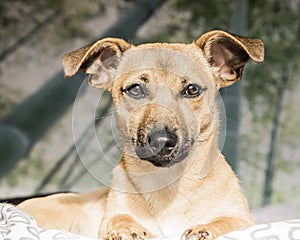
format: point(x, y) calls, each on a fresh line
point(96, 60)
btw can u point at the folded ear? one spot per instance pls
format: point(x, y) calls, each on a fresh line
point(96, 60)
point(227, 54)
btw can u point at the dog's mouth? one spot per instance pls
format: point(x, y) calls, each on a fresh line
point(161, 146)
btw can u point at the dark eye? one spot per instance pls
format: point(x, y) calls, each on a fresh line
point(136, 91)
point(192, 90)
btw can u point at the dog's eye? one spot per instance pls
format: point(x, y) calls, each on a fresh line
point(136, 91)
point(192, 90)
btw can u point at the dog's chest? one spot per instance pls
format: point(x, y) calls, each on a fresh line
point(174, 224)
point(177, 218)
point(181, 214)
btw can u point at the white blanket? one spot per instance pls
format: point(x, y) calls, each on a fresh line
point(18, 225)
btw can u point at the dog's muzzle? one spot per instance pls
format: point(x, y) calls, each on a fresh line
point(160, 146)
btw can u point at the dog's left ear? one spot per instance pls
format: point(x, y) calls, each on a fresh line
point(97, 60)
point(227, 54)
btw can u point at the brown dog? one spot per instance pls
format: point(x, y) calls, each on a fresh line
point(171, 179)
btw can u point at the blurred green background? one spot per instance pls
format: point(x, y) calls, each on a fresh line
point(38, 153)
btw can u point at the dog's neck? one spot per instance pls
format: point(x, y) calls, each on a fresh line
point(137, 176)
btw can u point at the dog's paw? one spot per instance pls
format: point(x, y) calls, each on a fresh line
point(197, 233)
point(127, 234)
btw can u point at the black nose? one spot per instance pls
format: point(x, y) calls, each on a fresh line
point(159, 143)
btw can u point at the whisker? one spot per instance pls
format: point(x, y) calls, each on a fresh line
point(231, 120)
point(104, 116)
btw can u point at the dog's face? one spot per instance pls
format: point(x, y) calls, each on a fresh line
point(164, 98)
point(164, 94)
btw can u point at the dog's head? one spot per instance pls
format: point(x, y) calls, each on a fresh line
point(164, 94)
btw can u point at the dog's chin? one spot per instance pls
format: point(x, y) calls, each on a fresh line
point(176, 156)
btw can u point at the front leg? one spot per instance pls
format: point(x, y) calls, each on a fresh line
point(124, 227)
point(215, 229)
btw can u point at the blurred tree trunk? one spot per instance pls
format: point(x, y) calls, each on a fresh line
point(26, 124)
point(232, 95)
point(289, 63)
point(269, 173)
point(28, 36)
point(82, 143)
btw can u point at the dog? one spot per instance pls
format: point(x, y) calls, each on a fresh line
point(172, 179)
